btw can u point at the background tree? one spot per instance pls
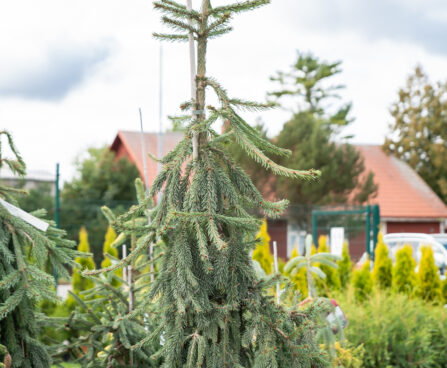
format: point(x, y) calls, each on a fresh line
point(419, 130)
point(100, 180)
point(39, 197)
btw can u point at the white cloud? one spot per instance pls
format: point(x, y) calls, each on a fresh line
point(261, 43)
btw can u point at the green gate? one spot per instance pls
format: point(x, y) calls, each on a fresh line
point(372, 222)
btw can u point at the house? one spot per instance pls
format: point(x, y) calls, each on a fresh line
point(34, 179)
point(407, 203)
point(129, 145)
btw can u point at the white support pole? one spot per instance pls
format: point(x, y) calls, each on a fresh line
point(275, 257)
point(160, 118)
point(124, 268)
point(192, 60)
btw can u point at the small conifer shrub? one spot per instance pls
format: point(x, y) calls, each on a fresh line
point(362, 282)
point(80, 283)
point(262, 253)
point(428, 282)
point(332, 280)
point(383, 265)
point(345, 266)
point(110, 253)
point(404, 274)
point(213, 310)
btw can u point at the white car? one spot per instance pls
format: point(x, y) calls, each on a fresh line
point(416, 240)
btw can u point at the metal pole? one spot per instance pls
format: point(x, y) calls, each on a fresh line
point(57, 208)
point(275, 257)
point(314, 225)
point(144, 152)
point(368, 232)
point(160, 119)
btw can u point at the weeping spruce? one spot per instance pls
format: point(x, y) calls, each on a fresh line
point(28, 259)
point(213, 312)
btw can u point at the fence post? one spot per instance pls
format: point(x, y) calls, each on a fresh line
point(368, 232)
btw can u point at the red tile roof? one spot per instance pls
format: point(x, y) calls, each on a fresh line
point(128, 144)
point(402, 193)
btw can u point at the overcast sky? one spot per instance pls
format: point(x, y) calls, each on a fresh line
point(72, 73)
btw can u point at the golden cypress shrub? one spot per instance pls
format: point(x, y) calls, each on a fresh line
point(108, 249)
point(382, 271)
point(345, 266)
point(262, 253)
point(428, 282)
point(404, 274)
point(332, 280)
point(298, 280)
point(362, 282)
point(78, 282)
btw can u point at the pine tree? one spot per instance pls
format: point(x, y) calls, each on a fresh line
point(382, 270)
point(404, 275)
point(345, 266)
point(213, 310)
point(428, 283)
point(110, 253)
point(26, 252)
point(362, 282)
point(80, 283)
point(262, 254)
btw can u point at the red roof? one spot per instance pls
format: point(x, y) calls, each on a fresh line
point(128, 144)
point(402, 193)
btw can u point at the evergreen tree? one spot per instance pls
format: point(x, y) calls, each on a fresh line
point(262, 254)
point(110, 253)
point(345, 266)
point(404, 275)
point(26, 252)
point(428, 283)
point(213, 310)
point(382, 270)
point(362, 282)
point(85, 261)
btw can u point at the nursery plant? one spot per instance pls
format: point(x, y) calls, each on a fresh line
point(382, 269)
point(428, 282)
point(31, 250)
point(213, 310)
point(404, 275)
point(312, 263)
point(345, 266)
point(362, 282)
point(262, 253)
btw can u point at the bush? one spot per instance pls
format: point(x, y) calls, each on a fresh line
point(362, 282)
point(382, 271)
point(397, 331)
point(345, 266)
point(111, 251)
point(428, 283)
point(404, 275)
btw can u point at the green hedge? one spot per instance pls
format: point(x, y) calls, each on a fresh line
point(396, 330)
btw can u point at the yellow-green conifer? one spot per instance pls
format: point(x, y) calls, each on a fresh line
point(345, 266)
point(262, 254)
point(362, 282)
point(428, 282)
point(332, 280)
point(112, 251)
point(78, 282)
point(404, 275)
point(382, 270)
point(299, 280)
